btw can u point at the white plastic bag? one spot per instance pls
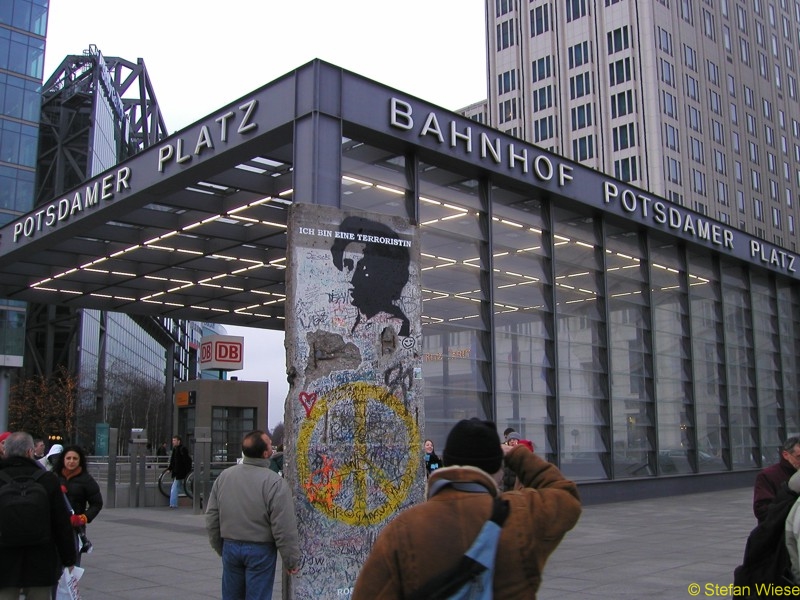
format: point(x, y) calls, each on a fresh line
point(68, 584)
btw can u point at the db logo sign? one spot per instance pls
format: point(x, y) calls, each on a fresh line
point(227, 352)
point(222, 352)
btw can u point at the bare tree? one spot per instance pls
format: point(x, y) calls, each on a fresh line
point(130, 400)
point(45, 407)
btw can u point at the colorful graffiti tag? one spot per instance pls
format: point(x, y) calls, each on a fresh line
point(349, 458)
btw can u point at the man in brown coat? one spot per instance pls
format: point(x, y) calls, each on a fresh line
point(429, 539)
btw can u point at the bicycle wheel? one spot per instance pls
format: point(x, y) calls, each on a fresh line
point(164, 485)
point(188, 485)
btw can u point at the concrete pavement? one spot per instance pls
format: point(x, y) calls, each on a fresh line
point(641, 549)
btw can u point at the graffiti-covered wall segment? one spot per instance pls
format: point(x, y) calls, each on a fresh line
point(355, 405)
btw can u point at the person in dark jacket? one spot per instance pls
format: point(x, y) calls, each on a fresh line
point(35, 569)
point(180, 465)
point(81, 490)
point(769, 480)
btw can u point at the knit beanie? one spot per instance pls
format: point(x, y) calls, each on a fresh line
point(474, 443)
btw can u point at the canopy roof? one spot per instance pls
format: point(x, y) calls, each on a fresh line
point(194, 227)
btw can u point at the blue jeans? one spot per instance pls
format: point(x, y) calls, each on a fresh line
point(174, 491)
point(248, 570)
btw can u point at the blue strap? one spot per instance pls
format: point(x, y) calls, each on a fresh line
point(462, 486)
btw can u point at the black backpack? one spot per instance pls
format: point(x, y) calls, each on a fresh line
point(24, 511)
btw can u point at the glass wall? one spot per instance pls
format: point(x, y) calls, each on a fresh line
point(374, 180)
point(621, 353)
point(631, 352)
point(672, 352)
point(789, 327)
point(455, 310)
point(23, 24)
point(740, 363)
point(523, 316)
point(582, 355)
point(771, 416)
point(708, 364)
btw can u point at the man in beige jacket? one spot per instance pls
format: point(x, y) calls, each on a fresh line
point(250, 517)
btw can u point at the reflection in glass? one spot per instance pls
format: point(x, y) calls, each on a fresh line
point(455, 312)
point(768, 361)
point(523, 313)
point(373, 180)
point(582, 352)
point(789, 328)
point(708, 363)
point(631, 351)
point(740, 366)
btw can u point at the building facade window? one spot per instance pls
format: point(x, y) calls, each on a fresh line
point(670, 104)
point(671, 138)
point(664, 40)
point(541, 69)
point(579, 54)
point(583, 148)
point(624, 136)
point(576, 9)
point(618, 40)
point(667, 72)
point(582, 116)
point(505, 34)
point(507, 110)
point(543, 98)
point(622, 104)
point(543, 129)
point(620, 71)
point(507, 82)
point(540, 20)
point(673, 168)
point(626, 169)
point(580, 85)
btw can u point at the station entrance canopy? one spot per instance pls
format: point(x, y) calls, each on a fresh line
point(195, 226)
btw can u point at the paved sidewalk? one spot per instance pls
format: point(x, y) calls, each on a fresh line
point(643, 549)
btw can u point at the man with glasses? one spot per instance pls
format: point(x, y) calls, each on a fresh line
point(770, 479)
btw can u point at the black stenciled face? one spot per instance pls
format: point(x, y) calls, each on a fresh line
point(375, 263)
point(356, 269)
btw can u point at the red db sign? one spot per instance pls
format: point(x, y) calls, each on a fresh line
point(223, 352)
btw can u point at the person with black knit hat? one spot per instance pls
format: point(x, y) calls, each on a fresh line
point(430, 539)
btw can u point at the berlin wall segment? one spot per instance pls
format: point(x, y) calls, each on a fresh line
point(354, 410)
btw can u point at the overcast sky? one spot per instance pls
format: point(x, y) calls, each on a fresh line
point(204, 55)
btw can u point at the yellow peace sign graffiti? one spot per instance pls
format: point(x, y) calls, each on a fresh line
point(359, 476)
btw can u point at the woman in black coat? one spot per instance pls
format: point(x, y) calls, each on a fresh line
point(80, 488)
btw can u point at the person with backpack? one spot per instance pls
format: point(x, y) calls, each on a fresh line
point(180, 465)
point(434, 542)
point(36, 539)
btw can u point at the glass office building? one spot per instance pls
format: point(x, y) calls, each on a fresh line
point(23, 25)
point(644, 347)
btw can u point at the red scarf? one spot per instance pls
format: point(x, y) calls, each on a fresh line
point(70, 474)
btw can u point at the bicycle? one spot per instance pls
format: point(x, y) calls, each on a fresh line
point(165, 484)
